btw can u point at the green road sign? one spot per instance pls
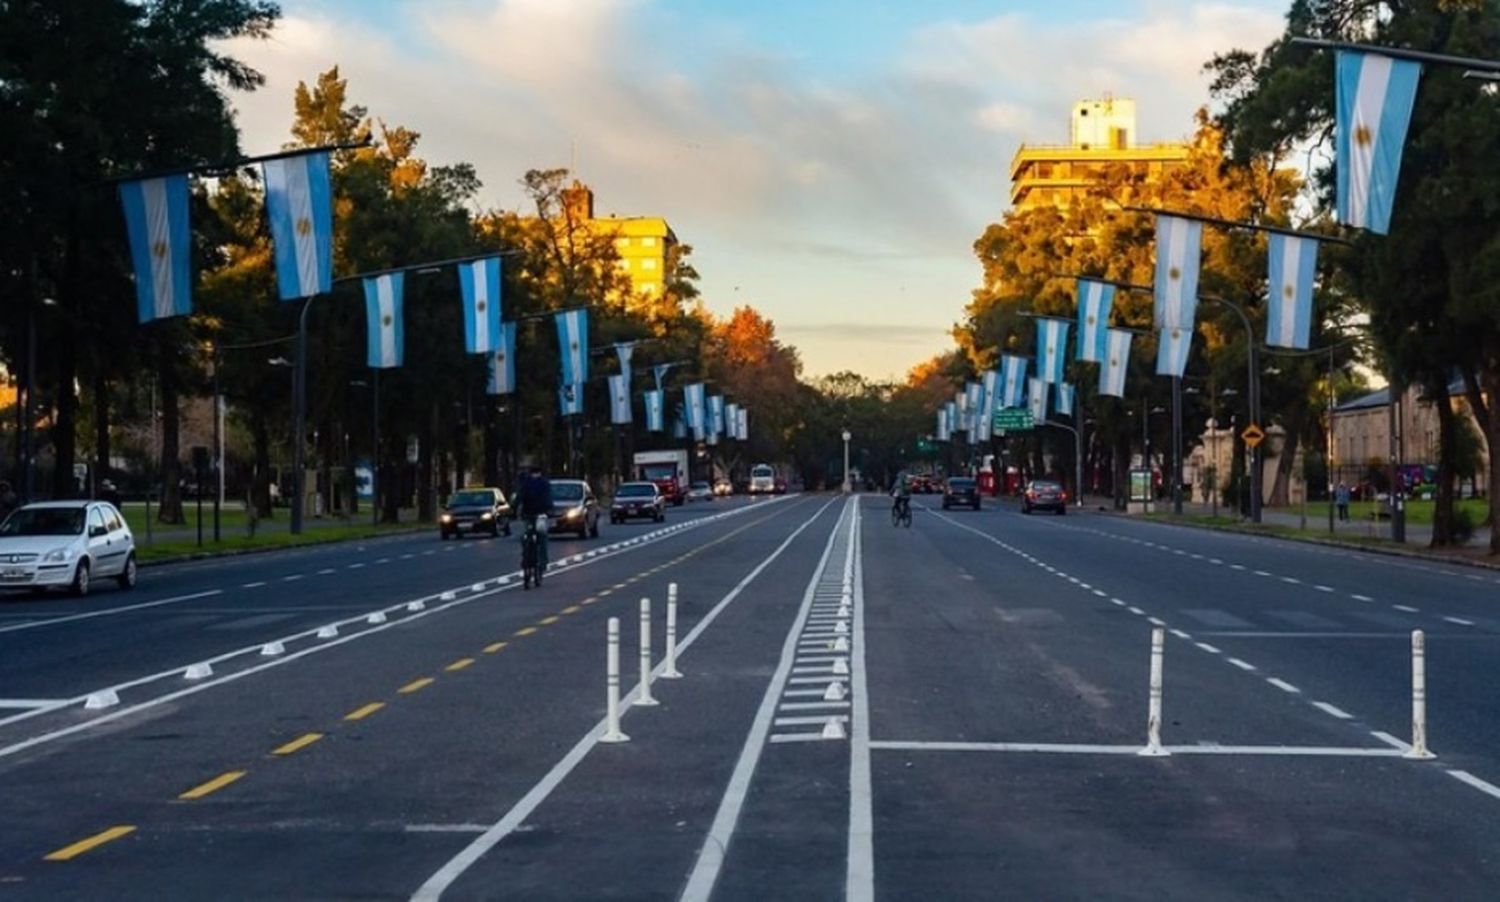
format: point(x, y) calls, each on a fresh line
point(1014, 419)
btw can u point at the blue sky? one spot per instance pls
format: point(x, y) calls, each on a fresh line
point(830, 162)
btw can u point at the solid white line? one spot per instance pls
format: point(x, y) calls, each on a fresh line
point(1283, 685)
point(1241, 664)
point(1336, 711)
point(254, 585)
point(1180, 634)
point(1459, 620)
point(1390, 740)
point(820, 680)
point(1361, 598)
point(33, 624)
point(810, 721)
point(1464, 776)
point(1407, 608)
point(32, 702)
point(859, 882)
point(1134, 750)
point(435, 885)
point(813, 706)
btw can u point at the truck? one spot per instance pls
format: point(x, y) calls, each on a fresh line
point(763, 479)
point(668, 469)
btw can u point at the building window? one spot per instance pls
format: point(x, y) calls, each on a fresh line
point(649, 287)
point(648, 241)
point(648, 263)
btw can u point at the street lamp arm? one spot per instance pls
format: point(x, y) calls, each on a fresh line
point(1417, 56)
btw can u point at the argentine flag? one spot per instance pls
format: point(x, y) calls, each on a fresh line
point(716, 415)
point(1116, 363)
point(619, 400)
point(1051, 348)
point(732, 420)
point(991, 383)
point(743, 426)
point(1373, 97)
point(1178, 249)
point(951, 409)
point(1172, 346)
point(383, 323)
point(1095, 300)
point(1294, 261)
point(1063, 404)
point(655, 416)
point(625, 350)
point(573, 345)
point(660, 372)
point(1038, 398)
point(156, 221)
point(299, 203)
point(692, 400)
point(974, 406)
point(570, 399)
point(502, 363)
point(480, 282)
point(1013, 381)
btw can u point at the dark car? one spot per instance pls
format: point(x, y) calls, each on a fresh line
point(1044, 495)
point(574, 508)
point(638, 499)
point(483, 510)
point(961, 490)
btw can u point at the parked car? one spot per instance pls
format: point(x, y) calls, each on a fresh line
point(637, 499)
point(961, 490)
point(1044, 495)
point(574, 508)
point(700, 491)
point(66, 544)
point(475, 510)
point(723, 488)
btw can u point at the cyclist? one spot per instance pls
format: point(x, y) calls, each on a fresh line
point(901, 492)
point(536, 506)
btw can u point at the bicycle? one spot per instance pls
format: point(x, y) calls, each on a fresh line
point(533, 553)
point(901, 512)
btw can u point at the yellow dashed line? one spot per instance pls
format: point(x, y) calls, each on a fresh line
point(458, 665)
point(214, 785)
point(525, 631)
point(494, 647)
point(571, 609)
point(93, 842)
point(416, 685)
point(547, 621)
point(364, 711)
point(301, 742)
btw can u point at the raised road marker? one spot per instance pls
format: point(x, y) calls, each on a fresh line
point(271, 649)
point(104, 698)
point(377, 617)
point(834, 729)
point(330, 631)
point(612, 686)
point(414, 606)
point(198, 671)
point(1153, 718)
point(645, 699)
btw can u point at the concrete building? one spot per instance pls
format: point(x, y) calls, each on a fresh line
point(1362, 437)
point(1102, 133)
point(644, 243)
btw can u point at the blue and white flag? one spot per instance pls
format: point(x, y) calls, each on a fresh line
point(693, 412)
point(1051, 348)
point(1116, 363)
point(950, 408)
point(299, 203)
point(624, 350)
point(573, 344)
point(715, 414)
point(942, 423)
point(383, 320)
point(973, 407)
point(619, 399)
point(1172, 347)
point(1012, 381)
point(1178, 251)
point(1373, 97)
point(655, 415)
point(961, 406)
point(679, 425)
point(156, 221)
point(1038, 398)
point(1095, 300)
point(1294, 262)
point(480, 283)
point(731, 420)
point(570, 399)
point(660, 372)
point(991, 382)
point(742, 427)
point(502, 362)
point(1063, 404)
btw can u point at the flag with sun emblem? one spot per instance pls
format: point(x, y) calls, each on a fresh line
point(573, 345)
point(692, 405)
point(624, 351)
point(1095, 300)
point(731, 420)
point(1373, 97)
point(1038, 398)
point(1172, 347)
point(156, 221)
point(570, 399)
point(299, 203)
point(1294, 262)
point(1051, 348)
point(655, 414)
point(619, 399)
point(742, 423)
point(1116, 363)
point(1063, 403)
point(480, 283)
point(1013, 381)
point(942, 424)
point(503, 362)
point(1178, 249)
point(383, 320)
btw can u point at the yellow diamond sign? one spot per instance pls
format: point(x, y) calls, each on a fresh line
point(1253, 435)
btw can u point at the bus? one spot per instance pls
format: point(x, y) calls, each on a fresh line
point(762, 479)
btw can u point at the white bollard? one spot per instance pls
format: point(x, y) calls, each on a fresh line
point(104, 698)
point(1153, 719)
point(669, 670)
point(271, 649)
point(328, 632)
point(414, 606)
point(645, 698)
point(1419, 697)
point(377, 617)
point(198, 671)
point(612, 686)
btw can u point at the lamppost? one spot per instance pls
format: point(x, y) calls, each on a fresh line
point(846, 462)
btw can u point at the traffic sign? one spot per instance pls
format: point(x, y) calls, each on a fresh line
point(1253, 435)
point(1014, 419)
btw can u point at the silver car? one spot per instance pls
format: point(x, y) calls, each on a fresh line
point(66, 544)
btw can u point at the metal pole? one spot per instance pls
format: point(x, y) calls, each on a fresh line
point(1255, 466)
point(299, 418)
point(1177, 445)
point(1393, 418)
point(28, 463)
point(219, 451)
point(1153, 718)
point(1213, 471)
point(1078, 459)
point(375, 449)
point(612, 686)
point(1328, 462)
point(644, 698)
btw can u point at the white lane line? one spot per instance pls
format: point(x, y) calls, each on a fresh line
point(70, 618)
point(1262, 573)
point(1335, 710)
point(815, 720)
point(1390, 740)
point(1134, 751)
point(1136, 611)
point(1214, 560)
point(435, 885)
point(1180, 634)
point(291, 579)
point(1291, 580)
point(255, 585)
point(1243, 665)
point(1101, 593)
point(355, 566)
point(778, 738)
point(1407, 608)
point(1118, 601)
point(1324, 588)
point(1156, 621)
point(1283, 685)
point(1459, 620)
point(813, 706)
point(1464, 776)
point(1236, 566)
point(325, 571)
point(32, 702)
point(1361, 597)
point(859, 881)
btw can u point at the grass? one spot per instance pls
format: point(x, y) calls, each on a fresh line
point(1316, 530)
point(1419, 513)
point(269, 540)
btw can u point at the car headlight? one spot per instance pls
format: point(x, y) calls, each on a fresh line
point(58, 554)
point(486, 516)
point(447, 518)
point(574, 513)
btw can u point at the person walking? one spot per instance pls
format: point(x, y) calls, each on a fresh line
point(1341, 501)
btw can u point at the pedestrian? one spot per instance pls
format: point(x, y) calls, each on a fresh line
point(1341, 500)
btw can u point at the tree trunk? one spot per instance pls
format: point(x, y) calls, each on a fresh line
point(65, 427)
point(1122, 471)
point(1475, 397)
point(491, 443)
point(389, 483)
point(171, 467)
point(1491, 380)
point(425, 441)
point(1281, 494)
point(1442, 515)
point(260, 480)
point(101, 427)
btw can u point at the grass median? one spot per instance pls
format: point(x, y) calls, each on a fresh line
point(268, 541)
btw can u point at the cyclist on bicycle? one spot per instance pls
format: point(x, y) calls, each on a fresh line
point(536, 506)
point(901, 492)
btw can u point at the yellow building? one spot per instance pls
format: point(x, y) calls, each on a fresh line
point(1102, 134)
point(643, 242)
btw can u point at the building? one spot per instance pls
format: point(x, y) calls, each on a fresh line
point(644, 243)
point(1102, 134)
point(1362, 437)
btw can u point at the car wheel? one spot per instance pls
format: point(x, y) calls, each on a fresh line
point(80, 586)
point(127, 576)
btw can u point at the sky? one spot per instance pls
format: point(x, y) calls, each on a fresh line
point(830, 161)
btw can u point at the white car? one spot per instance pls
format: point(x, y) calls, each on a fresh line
point(700, 491)
point(67, 544)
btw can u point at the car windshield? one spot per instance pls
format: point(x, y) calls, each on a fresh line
point(567, 491)
point(471, 499)
point(635, 490)
point(960, 483)
point(762, 472)
point(700, 485)
point(44, 521)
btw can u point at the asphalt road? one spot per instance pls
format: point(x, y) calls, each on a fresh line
point(954, 710)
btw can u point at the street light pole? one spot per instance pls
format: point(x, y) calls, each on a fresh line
point(299, 418)
point(1177, 445)
point(846, 462)
point(375, 449)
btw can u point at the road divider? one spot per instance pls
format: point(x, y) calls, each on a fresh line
point(669, 665)
point(1153, 715)
point(644, 698)
point(1419, 697)
point(612, 731)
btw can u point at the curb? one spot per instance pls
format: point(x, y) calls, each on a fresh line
point(206, 554)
